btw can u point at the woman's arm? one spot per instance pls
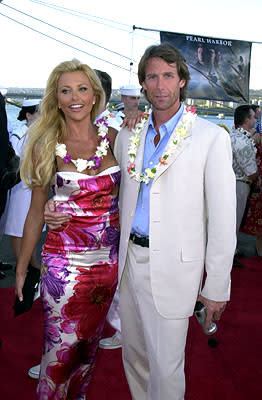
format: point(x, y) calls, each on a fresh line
point(32, 231)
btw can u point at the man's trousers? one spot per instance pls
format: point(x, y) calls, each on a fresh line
point(153, 346)
point(242, 192)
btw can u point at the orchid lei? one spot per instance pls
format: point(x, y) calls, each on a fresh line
point(178, 135)
point(94, 161)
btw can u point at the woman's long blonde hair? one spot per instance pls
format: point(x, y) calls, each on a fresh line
point(38, 164)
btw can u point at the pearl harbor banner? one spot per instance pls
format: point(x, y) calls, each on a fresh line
point(219, 68)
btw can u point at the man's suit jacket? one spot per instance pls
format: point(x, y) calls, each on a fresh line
point(192, 218)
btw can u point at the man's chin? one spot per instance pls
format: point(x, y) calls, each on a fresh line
point(161, 106)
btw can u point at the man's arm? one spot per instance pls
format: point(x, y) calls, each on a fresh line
point(220, 195)
point(253, 177)
point(53, 219)
point(131, 119)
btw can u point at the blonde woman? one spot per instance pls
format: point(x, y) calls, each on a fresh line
point(67, 152)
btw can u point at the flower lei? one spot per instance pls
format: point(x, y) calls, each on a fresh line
point(94, 161)
point(178, 135)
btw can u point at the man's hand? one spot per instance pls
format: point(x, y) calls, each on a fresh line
point(131, 119)
point(53, 219)
point(214, 309)
point(254, 177)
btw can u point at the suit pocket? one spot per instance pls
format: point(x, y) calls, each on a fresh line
point(189, 255)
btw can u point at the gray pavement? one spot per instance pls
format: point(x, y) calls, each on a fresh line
point(246, 244)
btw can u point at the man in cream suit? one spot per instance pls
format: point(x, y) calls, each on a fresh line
point(177, 215)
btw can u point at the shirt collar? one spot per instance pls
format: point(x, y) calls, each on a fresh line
point(170, 125)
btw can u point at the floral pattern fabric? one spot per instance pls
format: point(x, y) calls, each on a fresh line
point(244, 154)
point(79, 278)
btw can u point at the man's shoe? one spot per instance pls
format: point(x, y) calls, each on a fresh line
point(111, 343)
point(2, 275)
point(5, 266)
point(34, 372)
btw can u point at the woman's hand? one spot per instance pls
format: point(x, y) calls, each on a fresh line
point(19, 284)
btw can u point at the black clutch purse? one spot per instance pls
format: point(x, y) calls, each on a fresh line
point(30, 287)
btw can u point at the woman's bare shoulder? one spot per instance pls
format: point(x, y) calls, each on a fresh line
point(112, 133)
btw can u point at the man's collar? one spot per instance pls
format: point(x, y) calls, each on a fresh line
point(171, 123)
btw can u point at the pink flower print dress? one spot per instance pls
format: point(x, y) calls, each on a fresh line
point(79, 278)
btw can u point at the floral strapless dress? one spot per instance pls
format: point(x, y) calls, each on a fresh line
point(79, 278)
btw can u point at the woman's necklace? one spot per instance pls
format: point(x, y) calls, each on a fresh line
point(178, 135)
point(93, 162)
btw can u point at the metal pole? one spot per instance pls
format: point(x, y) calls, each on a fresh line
point(132, 55)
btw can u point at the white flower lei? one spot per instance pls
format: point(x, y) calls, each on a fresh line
point(101, 150)
point(178, 135)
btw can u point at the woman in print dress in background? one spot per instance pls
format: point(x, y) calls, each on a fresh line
point(68, 153)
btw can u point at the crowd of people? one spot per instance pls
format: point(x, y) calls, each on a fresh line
point(142, 221)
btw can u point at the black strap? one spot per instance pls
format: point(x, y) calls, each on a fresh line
point(111, 150)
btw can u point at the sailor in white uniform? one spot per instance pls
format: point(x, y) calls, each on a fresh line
point(20, 196)
point(130, 96)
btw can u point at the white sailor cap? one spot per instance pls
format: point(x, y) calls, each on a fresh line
point(3, 91)
point(31, 102)
point(130, 90)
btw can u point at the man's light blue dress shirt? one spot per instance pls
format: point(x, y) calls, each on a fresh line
point(151, 158)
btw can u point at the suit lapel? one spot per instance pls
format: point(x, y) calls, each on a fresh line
point(184, 143)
